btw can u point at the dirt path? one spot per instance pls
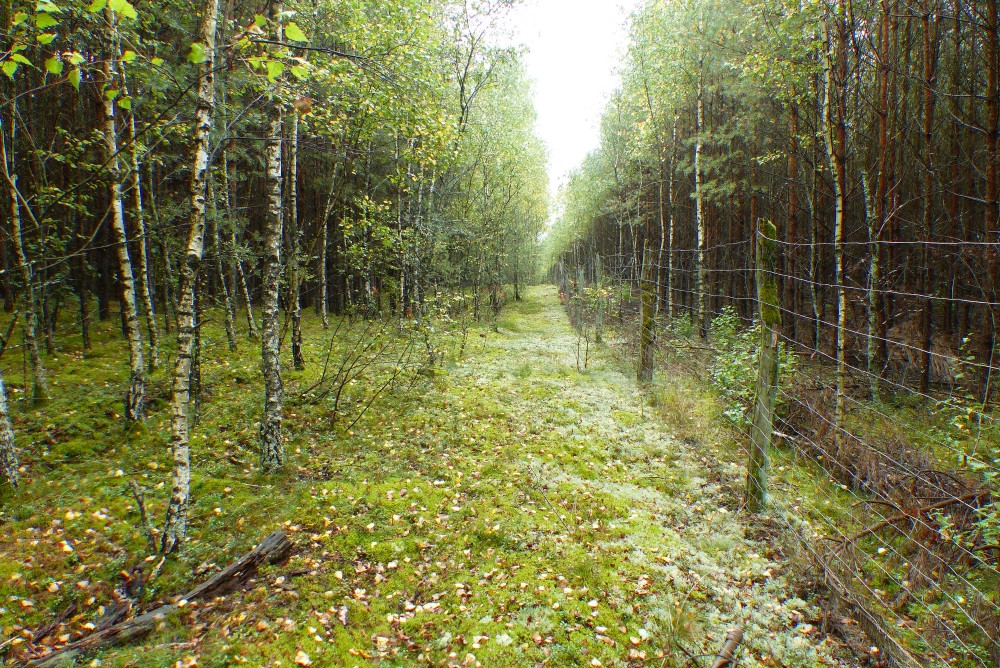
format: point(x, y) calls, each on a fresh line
point(654, 515)
point(511, 511)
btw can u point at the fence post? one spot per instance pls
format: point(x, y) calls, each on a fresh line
point(599, 285)
point(647, 333)
point(767, 372)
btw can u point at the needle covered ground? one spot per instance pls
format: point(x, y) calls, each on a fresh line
point(510, 509)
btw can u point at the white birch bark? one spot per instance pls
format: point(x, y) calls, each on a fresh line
point(295, 298)
point(220, 269)
point(699, 206)
point(40, 382)
point(271, 446)
point(175, 526)
point(253, 332)
point(8, 449)
point(135, 396)
point(835, 142)
point(143, 259)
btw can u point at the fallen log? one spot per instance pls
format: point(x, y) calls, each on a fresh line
point(727, 655)
point(273, 549)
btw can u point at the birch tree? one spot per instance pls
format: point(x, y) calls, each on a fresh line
point(271, 447)
point(175, 526)
point(135, 395)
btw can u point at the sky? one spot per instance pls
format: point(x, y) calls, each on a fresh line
point(575, 48)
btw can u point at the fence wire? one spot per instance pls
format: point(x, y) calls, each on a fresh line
point(893, 498)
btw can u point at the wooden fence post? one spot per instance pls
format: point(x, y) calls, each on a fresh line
point(647, 333)
point(599, 285)
point(767, 374)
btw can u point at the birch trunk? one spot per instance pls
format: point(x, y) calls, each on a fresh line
point(295, 289)
point(8, 449)
point(241, 278)
point(175, 526)
point(271, 446)
point(135, 396)
point(220, 269)
point(40, 382)
point(143, 259)
point(672, 211)
point(699, 208)
point(834, 132)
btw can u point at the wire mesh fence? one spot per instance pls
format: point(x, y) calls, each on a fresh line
point(886, 446)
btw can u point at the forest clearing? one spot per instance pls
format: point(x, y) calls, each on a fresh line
point(510, 507)
point(490, 333)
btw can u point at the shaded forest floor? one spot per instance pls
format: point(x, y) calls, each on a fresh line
point(510, 509)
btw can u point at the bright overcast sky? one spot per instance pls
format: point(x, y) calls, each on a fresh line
point(575, 48)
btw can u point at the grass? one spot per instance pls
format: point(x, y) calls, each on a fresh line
point(506, 510)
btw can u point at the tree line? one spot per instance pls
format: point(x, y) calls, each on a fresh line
point(371, 158)
point(867, 132)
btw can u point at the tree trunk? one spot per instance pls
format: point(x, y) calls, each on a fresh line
point(175, 526)
point(835, 135)
point(135, 396)
point(220, 268)
point(792, 233)
point(8, 449)
point(930, 24)
point(271, 446)
point(40, 383)
point(992, 208)
point(701, 270)
point(295, 301)
point(241, 278)
point(143, 259)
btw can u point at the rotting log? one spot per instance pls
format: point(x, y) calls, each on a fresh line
point(275, 548)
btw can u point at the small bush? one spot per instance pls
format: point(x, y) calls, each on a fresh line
point(734, 367)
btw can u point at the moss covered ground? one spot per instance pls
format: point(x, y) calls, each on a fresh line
point(508, 509)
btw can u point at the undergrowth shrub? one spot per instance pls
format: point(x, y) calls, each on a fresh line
point(734, 366)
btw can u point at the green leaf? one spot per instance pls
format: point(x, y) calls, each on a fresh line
point(128, 56)
point(97, 5)
point(74, 77)
point(111, 93)
point(75, 58)
point(18, 58)
point(259, 20)
point(123, 8)
point(19, 18)
point(299, 71)
point(47, 6)
point(197, 54)
point(45, 37)
point(44, 21)
point(125, 103)
point(157, 61)
point(9, 68)
point(53, 65)
point(274, 69)
point(294, 33)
